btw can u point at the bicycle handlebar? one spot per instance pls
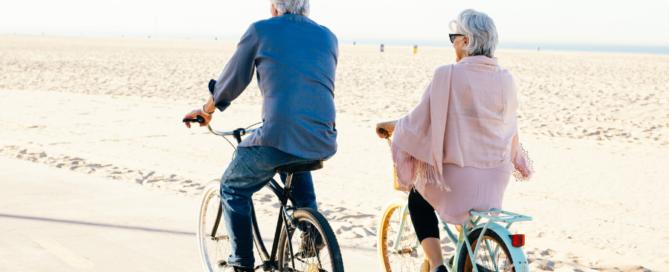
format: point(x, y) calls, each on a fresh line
point(241, 131)
point(237, 133)
point(198, 119)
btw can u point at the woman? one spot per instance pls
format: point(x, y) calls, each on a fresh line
point(459, 146)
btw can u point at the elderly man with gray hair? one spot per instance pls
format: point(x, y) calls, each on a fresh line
point(295, 59)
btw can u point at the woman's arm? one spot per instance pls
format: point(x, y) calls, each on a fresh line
point(385, 129)
point(522, 163)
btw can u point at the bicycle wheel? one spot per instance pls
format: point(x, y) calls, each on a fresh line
point(315, 247)
point(493, 254)
point(409, 256)
point(213, 250)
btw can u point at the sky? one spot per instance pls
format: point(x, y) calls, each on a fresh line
point(585, 22)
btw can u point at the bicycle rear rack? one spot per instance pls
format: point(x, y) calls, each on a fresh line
point(504, 216)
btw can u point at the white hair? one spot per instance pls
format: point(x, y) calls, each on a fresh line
point(299, 7)
point(480, 29)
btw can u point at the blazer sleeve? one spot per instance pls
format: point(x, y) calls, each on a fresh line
point(238, 73)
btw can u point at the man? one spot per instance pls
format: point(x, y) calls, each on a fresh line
point(296, 61)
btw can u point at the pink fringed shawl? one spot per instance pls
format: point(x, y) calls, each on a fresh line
point(419, 137)
point(472, 134)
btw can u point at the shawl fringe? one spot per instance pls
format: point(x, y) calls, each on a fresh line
point(422, 172)
point(523, 173)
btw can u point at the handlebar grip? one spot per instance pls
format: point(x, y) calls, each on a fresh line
point(198, 119)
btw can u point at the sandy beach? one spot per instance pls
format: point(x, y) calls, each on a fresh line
point(595, 124)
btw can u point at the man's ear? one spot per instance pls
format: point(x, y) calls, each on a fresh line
point(274, 11)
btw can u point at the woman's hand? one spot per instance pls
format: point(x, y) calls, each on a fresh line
point(194, 114)
point(385, 130)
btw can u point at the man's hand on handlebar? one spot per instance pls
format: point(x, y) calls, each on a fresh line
point(200, 116)
point(192, 117)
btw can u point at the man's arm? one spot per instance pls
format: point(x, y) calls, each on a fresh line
point(238, 73)
point(234, 79)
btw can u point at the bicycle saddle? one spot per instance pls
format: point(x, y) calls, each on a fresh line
point(300, 167)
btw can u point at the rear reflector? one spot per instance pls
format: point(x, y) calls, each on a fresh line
point(517, 240)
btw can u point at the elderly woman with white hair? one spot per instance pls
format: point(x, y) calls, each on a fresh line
point(456, 151)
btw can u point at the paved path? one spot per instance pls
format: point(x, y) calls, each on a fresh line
point(55, 220)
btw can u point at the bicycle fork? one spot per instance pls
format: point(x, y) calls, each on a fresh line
point(218, 220)
point(400, 232)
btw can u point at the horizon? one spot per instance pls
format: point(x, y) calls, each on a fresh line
point(557, 47)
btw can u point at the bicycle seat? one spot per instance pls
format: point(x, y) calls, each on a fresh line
point(300, 167)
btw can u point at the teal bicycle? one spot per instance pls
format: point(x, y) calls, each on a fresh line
point(483, 236)
point(492, 245)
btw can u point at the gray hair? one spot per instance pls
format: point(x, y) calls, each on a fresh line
point(299, 7)
point(480, 29)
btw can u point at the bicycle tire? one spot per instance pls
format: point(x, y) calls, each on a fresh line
point(405, 261)
point(465, 264)
point(310, 217)
point(212, 252)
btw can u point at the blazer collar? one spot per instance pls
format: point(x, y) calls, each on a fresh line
point(294, 18)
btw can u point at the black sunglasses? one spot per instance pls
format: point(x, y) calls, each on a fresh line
point(452, 36)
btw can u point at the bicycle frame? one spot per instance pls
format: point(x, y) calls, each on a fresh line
point(517, 254)
point(284, 194)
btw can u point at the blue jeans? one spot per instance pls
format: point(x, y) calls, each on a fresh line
point(250, 170)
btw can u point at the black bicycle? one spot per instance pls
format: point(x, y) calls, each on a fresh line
point(303, 240)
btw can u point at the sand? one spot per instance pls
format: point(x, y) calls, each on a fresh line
point(119, 227)
point(596, 126)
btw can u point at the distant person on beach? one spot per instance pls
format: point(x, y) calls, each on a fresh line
point(458, 148)
point(295, 59)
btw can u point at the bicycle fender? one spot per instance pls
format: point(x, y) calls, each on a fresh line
point(517, 255)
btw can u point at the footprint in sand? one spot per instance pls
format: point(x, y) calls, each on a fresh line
point(362, 232)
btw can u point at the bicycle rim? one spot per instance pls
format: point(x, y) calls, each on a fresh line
point(493, 254)
point(310, 254)
point(212, 250)
point(409, 257)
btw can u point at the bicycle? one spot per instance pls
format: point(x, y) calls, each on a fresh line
point(303, 240)
point(496, 248)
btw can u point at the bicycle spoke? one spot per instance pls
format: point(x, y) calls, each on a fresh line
point(318, 257)
point(307, 253)
point(493, 254)
point(490, 257)
point(406, 258)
